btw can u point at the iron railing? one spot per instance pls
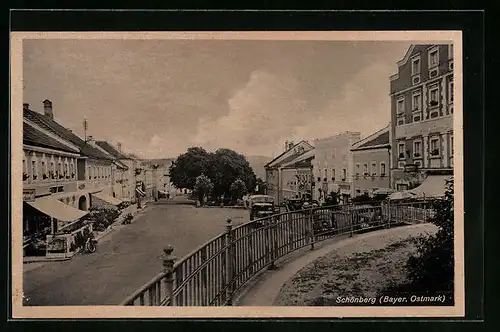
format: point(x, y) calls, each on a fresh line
point(215, 271)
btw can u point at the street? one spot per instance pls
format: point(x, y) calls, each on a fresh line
point(126, 258)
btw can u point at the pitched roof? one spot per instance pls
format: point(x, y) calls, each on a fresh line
point(302, 159)
point(288, 159)
point(35, 137)
point(377, 140)
point(49, 124)
point(111, 150)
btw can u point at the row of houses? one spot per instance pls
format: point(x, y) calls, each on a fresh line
point(64, 175)
point(415, 147)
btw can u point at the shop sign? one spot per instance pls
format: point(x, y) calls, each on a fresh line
point(28, 195)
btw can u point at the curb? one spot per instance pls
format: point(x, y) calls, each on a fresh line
point(97, 238)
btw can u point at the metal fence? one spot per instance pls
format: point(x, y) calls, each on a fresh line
point(212, 274)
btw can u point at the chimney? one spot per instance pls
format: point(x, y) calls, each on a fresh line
point(26, 106)
point(119, 145)
point(47, 108)
point(90, 139)
point(286, 145)
point(290, 145)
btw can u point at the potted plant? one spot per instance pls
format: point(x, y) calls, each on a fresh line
point(416, 155)
point(401, 155)
point(333, 178)
point(435, 152)
point(324, 179)
point(61, 176)
point(35, 176)
point(433, 103)
point(382, 175)
point(44, 176)
point(72, 175)
point(25, 176)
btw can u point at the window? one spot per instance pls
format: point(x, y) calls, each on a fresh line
point(451, 145)
point(44, 175)
point(401, 150)
point(401, 106)
point(357, 169)
point(344, 173)
point(401, 164)
point(450, 51)
point(66, 170)
point(415, 66)
point(450, 91)
point(33, 170)
point(418, 163)
point(333, 173)
point(433, 57)
point(24, 169)
point(434, 95)
point(382, 169)
point(326, 174)
point(358, 192)
point(51, 171)
point(417, 149)
point(416, 101)
point(374, 168)
point(365, 170)
point(434, 147)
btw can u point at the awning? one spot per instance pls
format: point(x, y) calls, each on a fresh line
point(107, 199)
point(383, 191)
point(405, 194)
point(140, 192)
point(56, 209)
point(432, 186)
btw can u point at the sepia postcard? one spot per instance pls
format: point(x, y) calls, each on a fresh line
point(237, 174)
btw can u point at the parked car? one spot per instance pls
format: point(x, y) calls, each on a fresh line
point(261, 206)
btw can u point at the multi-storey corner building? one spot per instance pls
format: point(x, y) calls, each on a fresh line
point(277, 177)
point(371, 157)
point(297, 176)
point(333, 165)
point(422, 96)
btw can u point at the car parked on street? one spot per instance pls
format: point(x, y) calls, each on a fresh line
point(261, 206)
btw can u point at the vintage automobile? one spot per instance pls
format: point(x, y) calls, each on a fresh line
point(261, 206)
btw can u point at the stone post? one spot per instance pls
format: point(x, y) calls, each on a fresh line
point(168, 268)
point(229, 262)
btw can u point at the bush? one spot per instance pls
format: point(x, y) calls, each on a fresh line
point(102, 217)
point(431, 269)
point(127, 219)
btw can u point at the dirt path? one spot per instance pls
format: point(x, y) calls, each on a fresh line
point(361, 267)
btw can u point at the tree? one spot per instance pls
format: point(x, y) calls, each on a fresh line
point(188, 166)
point(432, 269)
point(203, 187)
point(331, 199)
point(238, 189)
point(222, 167)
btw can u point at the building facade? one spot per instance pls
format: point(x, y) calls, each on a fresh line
point(422, 96)
point(277, 176)
point(298, 176)
point(333, 166)
point(371, 159)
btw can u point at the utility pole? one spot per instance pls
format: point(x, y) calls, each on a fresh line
point(85, 128)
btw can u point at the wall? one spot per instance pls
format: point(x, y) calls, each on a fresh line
point(423, 123)
point(98, 175)
point(49, 172)
point(334, 155)
point(368, 183)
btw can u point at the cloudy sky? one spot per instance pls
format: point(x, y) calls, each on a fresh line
point(159, 97)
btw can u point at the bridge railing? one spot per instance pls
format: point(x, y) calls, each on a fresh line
point(215, 271)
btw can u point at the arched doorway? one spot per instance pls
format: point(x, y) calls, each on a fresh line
point(82, 203)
